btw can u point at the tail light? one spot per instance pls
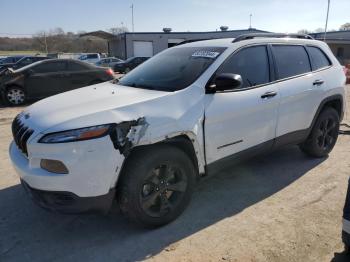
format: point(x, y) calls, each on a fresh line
point(110, 72)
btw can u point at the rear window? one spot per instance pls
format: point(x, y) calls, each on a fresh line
point(173, 69)
point(291, 60)
point(318, 58)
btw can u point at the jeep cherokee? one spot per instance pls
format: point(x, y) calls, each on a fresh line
point(180, 116)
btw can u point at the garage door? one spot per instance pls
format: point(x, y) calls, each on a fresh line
point(143, 48)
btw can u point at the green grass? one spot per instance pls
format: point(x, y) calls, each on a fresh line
point(27, 52)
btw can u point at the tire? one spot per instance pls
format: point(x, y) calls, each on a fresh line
point(156, 185)
point(15, 96)
point(347, 249)
point(324, 134)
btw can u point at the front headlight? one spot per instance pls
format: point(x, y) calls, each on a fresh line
point(77, 134)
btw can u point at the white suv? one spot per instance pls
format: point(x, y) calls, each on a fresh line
point(182, 115)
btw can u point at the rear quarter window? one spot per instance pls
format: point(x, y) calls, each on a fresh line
point(318, 58)
point(73, 66)
point(291, 60)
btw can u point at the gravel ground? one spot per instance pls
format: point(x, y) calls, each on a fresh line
point(279, 207)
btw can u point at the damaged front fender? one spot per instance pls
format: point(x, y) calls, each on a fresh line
point(127, 134)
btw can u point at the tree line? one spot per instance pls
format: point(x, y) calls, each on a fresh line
point(57, 41)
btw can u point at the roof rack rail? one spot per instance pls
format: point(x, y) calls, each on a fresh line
point(191, 41)
point(270, 35)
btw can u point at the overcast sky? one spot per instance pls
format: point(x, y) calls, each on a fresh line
point(28, 17)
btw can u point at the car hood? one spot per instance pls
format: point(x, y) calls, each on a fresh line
point(93, 105)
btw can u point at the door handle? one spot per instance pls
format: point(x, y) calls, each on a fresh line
point(318, 82)
point(269, 94)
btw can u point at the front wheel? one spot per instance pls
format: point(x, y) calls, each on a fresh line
point(156, 185)
point(323, 135)
point(15, 96)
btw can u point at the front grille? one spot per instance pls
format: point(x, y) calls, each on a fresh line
point(21, 134)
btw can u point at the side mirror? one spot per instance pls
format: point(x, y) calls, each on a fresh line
point(227, 81)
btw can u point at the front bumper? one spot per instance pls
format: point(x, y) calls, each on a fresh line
point(69, 203)
point(93, 166)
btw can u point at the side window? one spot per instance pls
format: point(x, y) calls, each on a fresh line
point(92, 56)
point(291, 60)
point(318, 58)
point(251, 63)
point(73, 66)
point(50, 67)
point(26, 61)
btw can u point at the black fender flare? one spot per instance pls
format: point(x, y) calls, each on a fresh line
point(322, 106)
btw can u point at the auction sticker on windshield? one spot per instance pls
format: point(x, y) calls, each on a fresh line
point(205, 54)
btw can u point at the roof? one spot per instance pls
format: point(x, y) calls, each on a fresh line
point(202, 32)
point(342, 35)
point(99, 34)
point(108, 36)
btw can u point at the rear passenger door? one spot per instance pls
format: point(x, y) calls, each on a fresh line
point(243, 118)
point(299, 91)
point(46, 79)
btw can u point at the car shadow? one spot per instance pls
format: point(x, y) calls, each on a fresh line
point(29, 233)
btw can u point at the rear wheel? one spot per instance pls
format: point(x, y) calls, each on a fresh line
point(156, 185)
point(323, 135)
point(15, 95)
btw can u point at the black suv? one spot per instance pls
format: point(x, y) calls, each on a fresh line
point(129, 64)
point(24, 61)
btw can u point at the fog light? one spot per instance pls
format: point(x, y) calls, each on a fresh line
point(53, 166)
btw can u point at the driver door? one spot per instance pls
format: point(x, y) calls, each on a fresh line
point(245, 118)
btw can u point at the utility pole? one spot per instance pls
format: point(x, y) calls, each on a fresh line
point(325, 28)
point(45, 43)
point(250, 21)
point(132, 16)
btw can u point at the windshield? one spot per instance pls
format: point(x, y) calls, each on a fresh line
point(173, 69)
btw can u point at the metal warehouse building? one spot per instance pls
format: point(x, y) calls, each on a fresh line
point(147, 44)
point(339, 42)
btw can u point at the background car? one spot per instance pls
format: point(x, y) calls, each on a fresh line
point(108, 62)
point(10, 59)
point(50, 77)
point(90, 58)
point(129, 64)
point(24, 61)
